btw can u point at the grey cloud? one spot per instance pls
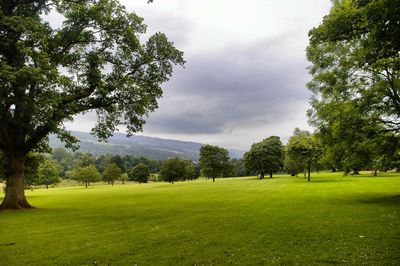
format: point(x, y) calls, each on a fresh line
point(251, 85)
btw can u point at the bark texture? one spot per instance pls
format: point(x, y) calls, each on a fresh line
point(14, 190)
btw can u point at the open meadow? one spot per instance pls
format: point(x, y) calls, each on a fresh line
point(333, 219)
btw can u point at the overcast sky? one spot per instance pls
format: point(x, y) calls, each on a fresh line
point(245, 77)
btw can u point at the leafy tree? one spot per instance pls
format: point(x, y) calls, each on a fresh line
point(116, 159)
point(173, 170)
point(103, 161)
point(355, 56)
point(34, 160)
point(84, 159)
point(290, 166)
point(112, 173)
point(140, 173)
point(59, 154)
point(64, 159)
point(124, 177)
point(48, 173)
point(95, 60)
point(213, 161)
point(192, 172)
point(265, 157)
point(86, 174)
point(303, 149)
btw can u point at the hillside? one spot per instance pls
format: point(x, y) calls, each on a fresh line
point(141, 146)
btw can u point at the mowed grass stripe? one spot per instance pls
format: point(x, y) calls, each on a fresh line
point(243, 221)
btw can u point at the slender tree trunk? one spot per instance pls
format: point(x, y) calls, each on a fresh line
point(213, 179)
point(15, 193)
point(87, 183)
point(262, 175)
point(270, 174)
point(309, 171)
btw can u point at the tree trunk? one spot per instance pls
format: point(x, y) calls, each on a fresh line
point(270, 174)
point(309, 170)
point(213, 179)
point(87, 183)
point(15, 193)
point(262, 175)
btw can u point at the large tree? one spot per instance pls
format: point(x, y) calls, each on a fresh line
point(265, 157)
point(355, 56)
point(140, 173)
point(95, 60)
point(112, 173)
point(213, 161)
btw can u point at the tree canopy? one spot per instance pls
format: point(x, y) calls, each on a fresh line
point(265, 157)
point(213, 161)
point(96, 60)
point(303, 149)
point(355, 56)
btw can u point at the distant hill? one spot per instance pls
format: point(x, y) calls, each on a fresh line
point(140, 146)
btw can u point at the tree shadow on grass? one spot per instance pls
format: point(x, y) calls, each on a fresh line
point(327, 180)
point(382, 200)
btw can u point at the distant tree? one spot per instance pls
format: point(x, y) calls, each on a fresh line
point(124, 177)
point(173, 170)
point(34, 160)
point(213, 161)
point(59, 154)
point(290, 166)
point(112, 173)
point(84, 159)
point(96, 59)
point(103, 161)
point(303, 149)
point(265, 157)
point(140, 173)
point(86, 174)
point(191, 171)
point(116, 159)
point(48, 173)
point(64, 159)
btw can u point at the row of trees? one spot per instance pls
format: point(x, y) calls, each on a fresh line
point(271, 156)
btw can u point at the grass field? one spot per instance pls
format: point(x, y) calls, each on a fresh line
point(351, 220)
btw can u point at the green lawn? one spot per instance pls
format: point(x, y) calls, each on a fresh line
point(333, 219)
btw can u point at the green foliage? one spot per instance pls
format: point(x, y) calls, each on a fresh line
point(303, 149)
point(213, 161)
point(355, 56)
point(331, 220)
point(173, 170)
point(64, 160)
point(34, 160)
point(140, 173)
point(86, 174)
point(265, 157)
point(112, 173)
point(124, 177)
point(48, 173)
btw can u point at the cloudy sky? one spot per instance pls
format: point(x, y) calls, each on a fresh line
point(245, 74)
